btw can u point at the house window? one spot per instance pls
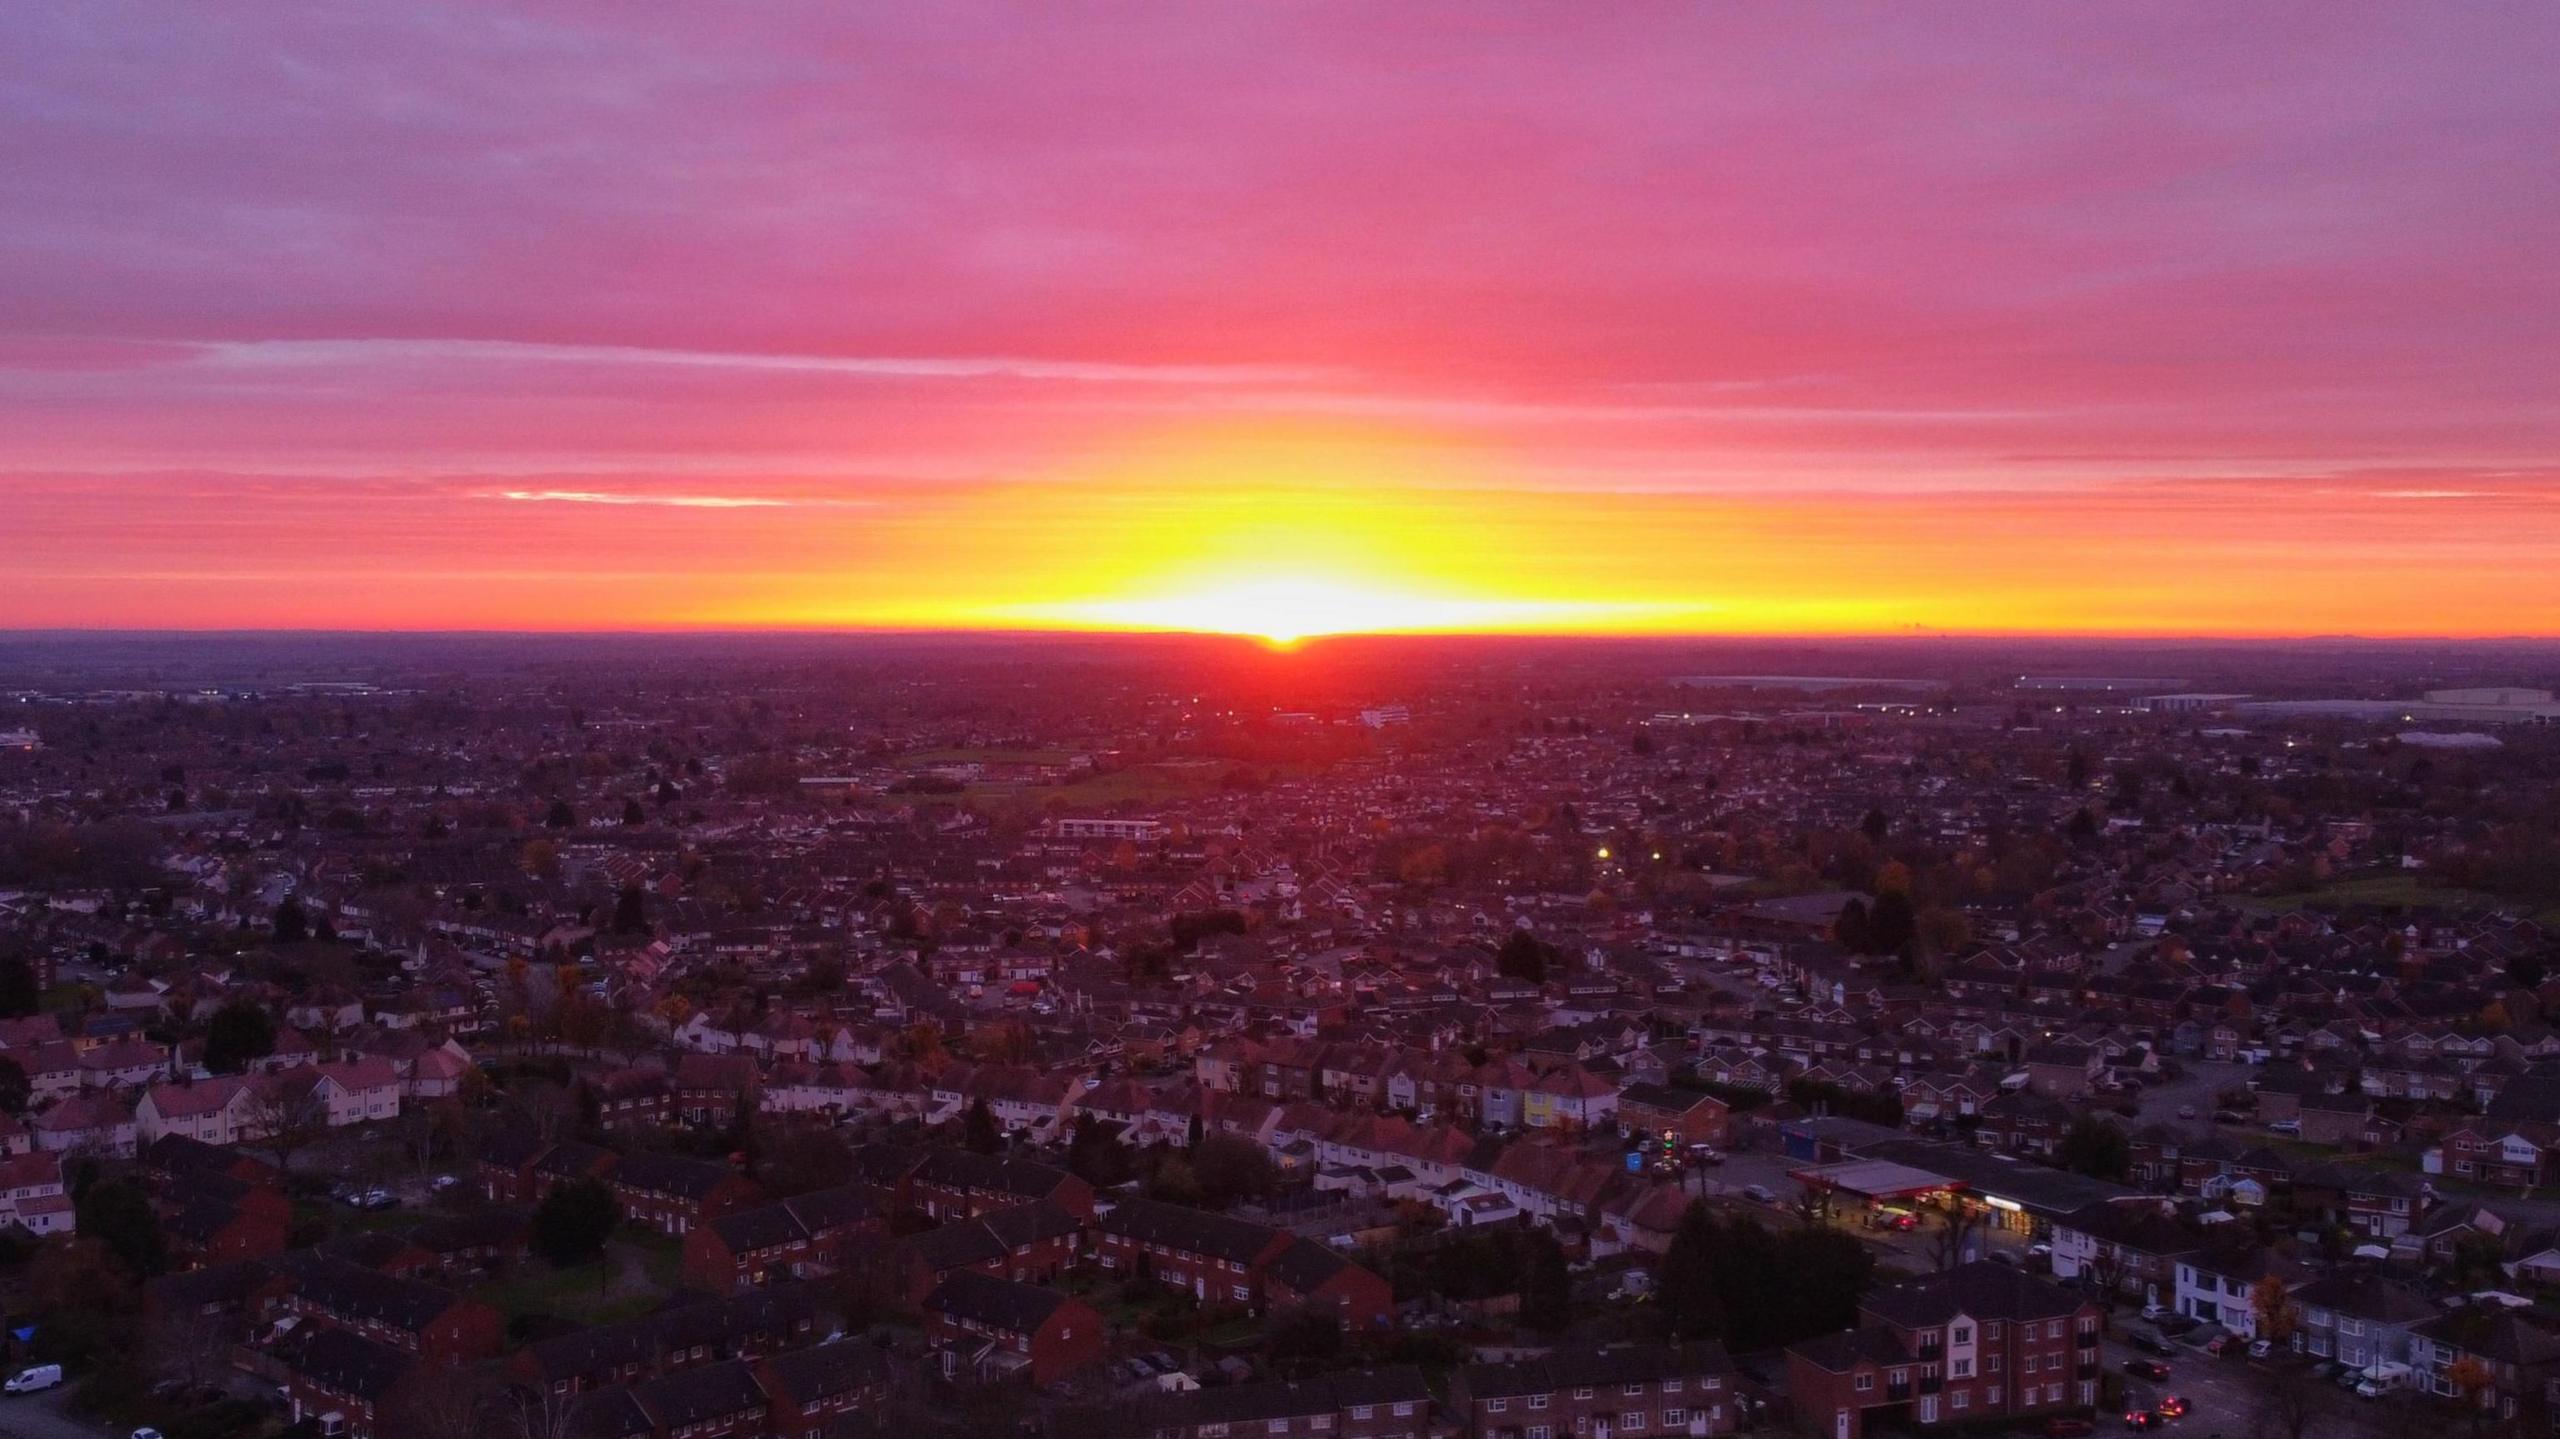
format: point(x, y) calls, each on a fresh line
point(1632, 1389)
point(1497, 1405)
point(1866, 1383)
point(1960, 1399)
point(1631, 1420)
point(1537, 1401)
point(1674, 1418)
point(1582, 1393)
point(1964, 1369)
point(1964, 1334)
point(1279, 1426)
point(1359, 1411)
point(1537, 1431)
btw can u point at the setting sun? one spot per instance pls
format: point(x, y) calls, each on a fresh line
point(1285, 610)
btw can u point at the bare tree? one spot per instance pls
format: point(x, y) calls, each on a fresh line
point(2290, 1404)
point(289, 1115)
point(189, 1348)
point(1952, 1234)
point(443, 1401)
point(539, 1411)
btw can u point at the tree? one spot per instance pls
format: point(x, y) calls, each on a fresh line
point(288, 1116)
point(2290, 1403)
point(560, 816)
point(978, 1128)
point(1874, 826)
point(15, 1088)
point(573, 1222)
point(292, 922)
point(1523, 956)
point(2271, 1304)
point(2095, 1147)
point(630, 911)
point(1891, 923)
point(1952, 1234)
point(1303, 1340)
point(1546, 1286)
point(186, 1346)
point(19, 993)
point(632, 813)
point(442, 1400)
point(238, 1033)
point(1685, 1289)
point(2475, 1384)
point(117, 1213)
point(1229, 1167)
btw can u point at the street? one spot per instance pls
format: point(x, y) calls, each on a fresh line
point(44, 1416)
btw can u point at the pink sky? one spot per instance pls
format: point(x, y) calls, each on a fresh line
point(581, 314)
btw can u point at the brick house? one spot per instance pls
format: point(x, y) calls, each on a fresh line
point(405, 1314)
point(1690, 1116)
point(1217, 1260)
point(1001, 1327)
point(674, 1194)
point(1621, 1391)
point(1312, 1273)
point(325, 1371)
point(1980, 1343)
point(806, 1388)
point(712, 1088)
point(1385, 1403)
point(794, 1238)
point(749, 1325)
point(1030, 1243)
point(958, 1184)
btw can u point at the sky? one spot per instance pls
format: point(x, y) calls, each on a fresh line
point(1282, 318)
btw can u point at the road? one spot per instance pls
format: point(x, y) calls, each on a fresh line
point(45, 1416)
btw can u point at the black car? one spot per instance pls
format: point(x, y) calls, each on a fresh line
point(2142, 1420)
point(2146, 1369)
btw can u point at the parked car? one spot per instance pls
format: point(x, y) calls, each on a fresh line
point(2285, 1126)
point(2142, 1420)
point(2186, 1111)
point(1759, 1194)
point(28, 1381)
point(2151, 1369)
point(2148, 1342)
point(2261, 1348)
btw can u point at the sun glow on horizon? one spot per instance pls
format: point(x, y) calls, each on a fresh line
point(1284, 610)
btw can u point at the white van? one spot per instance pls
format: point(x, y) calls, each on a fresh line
point(43, 1376)
point(2381, 1379)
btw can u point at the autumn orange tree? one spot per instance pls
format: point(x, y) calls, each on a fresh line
point(2273, 1307)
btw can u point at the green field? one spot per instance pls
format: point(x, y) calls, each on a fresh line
point(986, 756)
point(2406, 890)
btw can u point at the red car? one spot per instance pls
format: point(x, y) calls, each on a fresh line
point(2172, 1406)
point(2146, 1369)
point(2142, 1420)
